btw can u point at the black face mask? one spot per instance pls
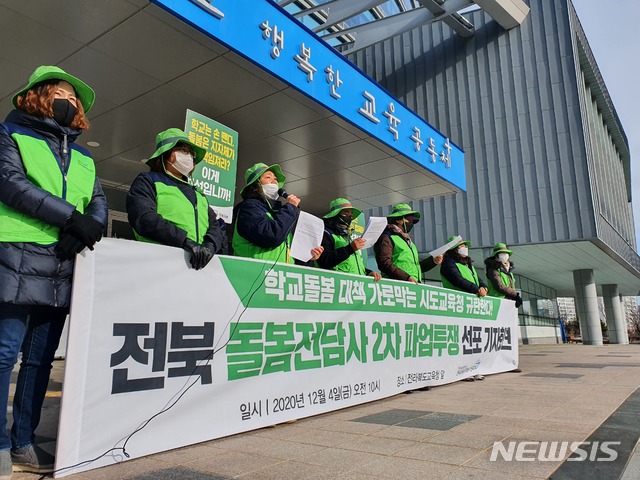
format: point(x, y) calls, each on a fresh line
point(408, 226)
point(63, 111)
point(345, 219)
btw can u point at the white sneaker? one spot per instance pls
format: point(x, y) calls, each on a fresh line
point(5, 465)
point(32, 459)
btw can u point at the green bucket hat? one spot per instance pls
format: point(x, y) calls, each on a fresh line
point(339, 204)
point(254, 173)
point(500, 248)
point(463, 242)
point(402, 210)
point(168, 139)
point(85, 93)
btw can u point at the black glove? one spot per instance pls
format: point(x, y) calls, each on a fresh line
point(201, 255)
point(210, 252)
point(85, 228)
point(518, 301)
point(68, 246)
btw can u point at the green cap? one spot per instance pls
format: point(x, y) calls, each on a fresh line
point(500, 248)
point(462, 242)
point(403, 210)
point(339, 204)
point(254, 173)
point(168, 139)
point(84, 92)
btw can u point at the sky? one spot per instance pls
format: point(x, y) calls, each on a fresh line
point(612, 31)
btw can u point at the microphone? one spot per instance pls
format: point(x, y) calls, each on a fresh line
point(283, 193)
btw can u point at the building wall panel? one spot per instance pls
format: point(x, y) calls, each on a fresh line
point(510, 100)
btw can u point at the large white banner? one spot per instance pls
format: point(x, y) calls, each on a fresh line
point(161, 356)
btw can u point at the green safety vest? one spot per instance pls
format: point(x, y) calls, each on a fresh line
point(353, 263)
point(405, 257)
point(42, 169)
point(468, 273)
point(507, 280)
point(244, 248)
point(176, 208)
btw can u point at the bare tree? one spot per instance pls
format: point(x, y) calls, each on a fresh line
point(632, 313)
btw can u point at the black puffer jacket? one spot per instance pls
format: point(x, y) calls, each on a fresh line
point(142, 210)
point(31, 274)
point(332, 256)
point(493, 267)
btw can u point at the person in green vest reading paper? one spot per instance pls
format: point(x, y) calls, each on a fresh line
point(458, 273)
point(499, 270)
point(341, 252)
point(396, 254)
point(51, 208)
point(264, 225)
point(163, 207)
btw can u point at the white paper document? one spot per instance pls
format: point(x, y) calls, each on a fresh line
point(308, 235)
point(440, 250)
point(375, 227)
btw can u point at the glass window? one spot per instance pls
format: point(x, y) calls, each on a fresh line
point(539, 307)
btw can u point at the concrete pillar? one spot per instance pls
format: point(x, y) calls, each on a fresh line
point(615, 317)
point(587, 307)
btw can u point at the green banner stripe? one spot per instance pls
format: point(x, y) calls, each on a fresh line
point(281, 286)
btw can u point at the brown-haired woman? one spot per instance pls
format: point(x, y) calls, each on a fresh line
point(51, 207)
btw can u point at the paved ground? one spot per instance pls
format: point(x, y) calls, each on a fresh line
point(567, 393)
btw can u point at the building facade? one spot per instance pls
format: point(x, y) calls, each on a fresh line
point(548, 163)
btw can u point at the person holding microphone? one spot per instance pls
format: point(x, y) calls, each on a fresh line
point(263, 225)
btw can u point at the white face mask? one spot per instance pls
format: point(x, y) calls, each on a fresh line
point(183, 163)
point(270, 190)
point(463, 251)
point(503, 257)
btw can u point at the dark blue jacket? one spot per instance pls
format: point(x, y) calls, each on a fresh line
point(31, 274)
point(254, 225)
point(450, 271)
